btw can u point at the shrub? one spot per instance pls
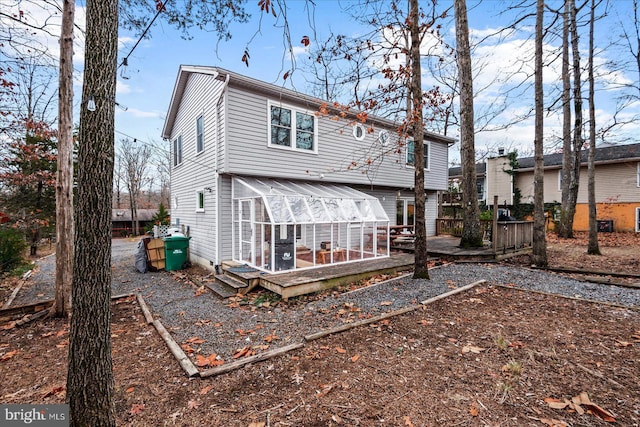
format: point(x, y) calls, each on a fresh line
point(12, 245)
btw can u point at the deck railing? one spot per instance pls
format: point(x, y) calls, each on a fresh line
point(509, 235)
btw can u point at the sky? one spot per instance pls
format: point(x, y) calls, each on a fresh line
point(145, 86)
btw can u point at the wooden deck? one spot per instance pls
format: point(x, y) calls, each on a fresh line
point(240, 279)
point(317, 279)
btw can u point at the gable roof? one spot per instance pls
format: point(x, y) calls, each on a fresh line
point(609, 154)
point(239, 80)
point(125, 214)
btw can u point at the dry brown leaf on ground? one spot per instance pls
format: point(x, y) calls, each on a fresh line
point(8, 355)
point(205, 390)
point(473, 410)
point(257, 424)
point(407, 421)
point(243, 352)
point(341, 350)
point(472, 349)
point(210, 360)
point(271, 337)
point(195, 340)
point(600, 412)
point(355, 358)
point(193, 404)
point(54, 391)
point(556, 403)
point(553, 422)
point(136, 408)
point(187, 348)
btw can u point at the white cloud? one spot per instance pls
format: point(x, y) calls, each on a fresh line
point(122, 88)
point(134, 112)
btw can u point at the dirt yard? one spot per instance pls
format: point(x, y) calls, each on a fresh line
point(493, 356)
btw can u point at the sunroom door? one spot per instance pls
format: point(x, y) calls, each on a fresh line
point(246, 247)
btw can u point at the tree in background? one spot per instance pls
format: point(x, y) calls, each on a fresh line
point(593, 248)
point(472, 232)
point(539, 238)
point(161, 217)
point(134, 161)
point(64, 178)
point(28, 178)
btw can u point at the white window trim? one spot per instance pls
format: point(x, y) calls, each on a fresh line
point(560, 180)
point(383, 137)
point(200, 117)
point(638, 175)
point(177, 154)
point(637, 220)
point(427, 144)
point(294, 111)
point(198, 207)
point(358, 127)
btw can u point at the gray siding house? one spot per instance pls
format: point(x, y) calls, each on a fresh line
point(271, 178)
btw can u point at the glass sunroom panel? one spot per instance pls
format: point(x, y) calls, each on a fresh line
point(350, 210)
point(279, 209)
point(366, 210)
point(333, 208)
point(318, 210)
point(299, 208)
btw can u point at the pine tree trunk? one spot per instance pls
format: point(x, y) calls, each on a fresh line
point(539, 237)
point(593, 247)
point(64, 181)
point(90, 381)
point(471, 233)
point(421, 270)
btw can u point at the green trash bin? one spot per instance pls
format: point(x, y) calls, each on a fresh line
point(175, 251)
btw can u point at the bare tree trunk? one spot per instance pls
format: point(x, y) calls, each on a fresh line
point(577, 120)
point(64, 181)
point(471, 233)
point(90, 383)
point(565, 224)
point(421, 270)
point(593, 247)
point(539, 237)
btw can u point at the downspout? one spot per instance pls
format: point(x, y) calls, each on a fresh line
point(218, 183)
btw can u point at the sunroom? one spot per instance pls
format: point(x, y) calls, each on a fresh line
point(283, 225)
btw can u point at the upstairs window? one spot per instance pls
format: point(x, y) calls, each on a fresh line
point(200, 134)
point(291, 129)
point(177, 151)
point(411, 158)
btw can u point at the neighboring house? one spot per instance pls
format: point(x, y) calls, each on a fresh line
point(617, 184)
point(259, 170)
point(124, 226)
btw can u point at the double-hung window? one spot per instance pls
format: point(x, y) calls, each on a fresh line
point(292, 129)
point(200, 134)
point(177, 151)
point(411, 158)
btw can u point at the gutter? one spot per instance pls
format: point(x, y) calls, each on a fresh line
point(217, 175)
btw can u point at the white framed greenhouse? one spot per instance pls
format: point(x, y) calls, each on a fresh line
point(284, 225)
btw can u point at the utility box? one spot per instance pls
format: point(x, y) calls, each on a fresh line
point(605, 225)
point(176, 249)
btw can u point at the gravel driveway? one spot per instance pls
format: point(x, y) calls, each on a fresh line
point(227, 327)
